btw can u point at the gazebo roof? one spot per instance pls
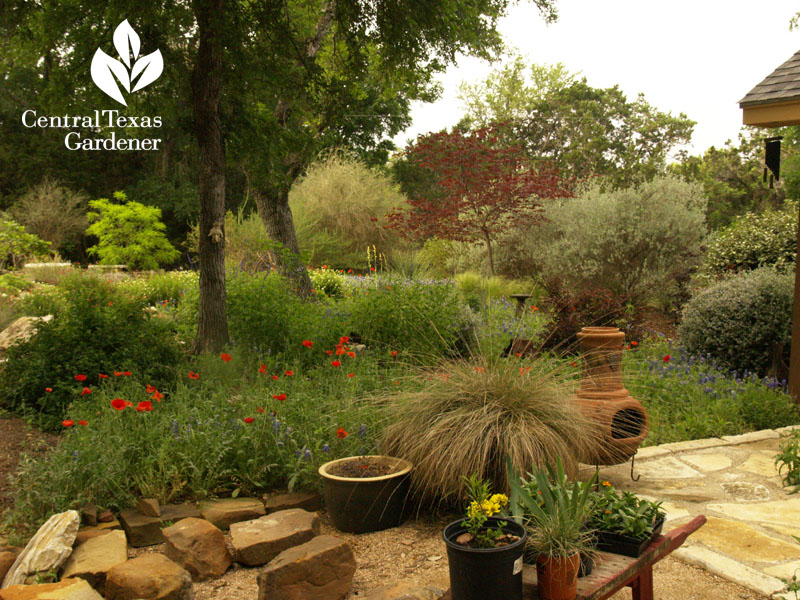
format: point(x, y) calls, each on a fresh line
point(775, 101)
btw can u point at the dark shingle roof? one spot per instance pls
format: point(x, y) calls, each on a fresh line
point(782, 85)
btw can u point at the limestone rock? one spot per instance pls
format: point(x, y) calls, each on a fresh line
point(109, 525)
point(224, 511)
point(306, 500)
point(88, 533)
point(66, 589)
point(141, 530)
point(149, 507)
point(93, 559)
point(149, 577)
point(19, 331)
point(173, 513)
point(404, 591)
point(258, 541)
point(321, 569)
point(199, 547)
point(47, 550)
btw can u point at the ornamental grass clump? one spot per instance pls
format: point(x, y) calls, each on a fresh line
point(468, 415)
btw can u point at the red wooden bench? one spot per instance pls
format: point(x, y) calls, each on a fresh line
point(612, 572)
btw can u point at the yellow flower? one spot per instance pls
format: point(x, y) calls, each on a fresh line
point(499, 499)
point(474, 510)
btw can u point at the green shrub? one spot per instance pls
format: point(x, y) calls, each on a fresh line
point(418, 318)
point(156, 288)
point(12, 284)
point(328, 282)
point(339, 208)
point(16, 244)
point(639, 242)
point(754, 240)
point(97, 330)
point(736, 321)
point(497, 324)
point(129, 233)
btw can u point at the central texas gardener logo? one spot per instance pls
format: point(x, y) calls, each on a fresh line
point(132, 71)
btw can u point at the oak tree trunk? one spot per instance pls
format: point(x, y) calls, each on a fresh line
point(212, 326)
point(277, 217)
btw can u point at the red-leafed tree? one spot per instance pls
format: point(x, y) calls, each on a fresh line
point(481, 189)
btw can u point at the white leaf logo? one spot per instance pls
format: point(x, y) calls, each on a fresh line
point(107, 71)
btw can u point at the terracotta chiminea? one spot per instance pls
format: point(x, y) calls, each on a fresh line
point(623, 420)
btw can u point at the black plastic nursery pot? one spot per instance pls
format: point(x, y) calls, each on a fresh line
point(485, 573)
point(364, 504)
point(625, 544)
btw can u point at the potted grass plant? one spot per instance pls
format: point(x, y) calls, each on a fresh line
point(484, 550)
point(623, 523)
point(555, 516)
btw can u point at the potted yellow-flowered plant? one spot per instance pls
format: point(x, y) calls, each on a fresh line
point(483, 549)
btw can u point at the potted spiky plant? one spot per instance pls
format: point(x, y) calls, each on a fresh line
point(556, 519)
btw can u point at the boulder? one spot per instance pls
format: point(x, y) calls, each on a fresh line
point(93, 559)
point(306, 500)
point(7, 558)
point(88, 515)
point(149, 577)
point(224, 511)
point(321, 569)
point(149, 507)
point(404, 591)
point(19, 331)
point(66, 589)
point(172, 513)
point(47, 550)
point(258, 541)
point(105, 517)
point(199, 547)
point(141, 530)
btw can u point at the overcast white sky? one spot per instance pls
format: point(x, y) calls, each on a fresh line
point(698, 57)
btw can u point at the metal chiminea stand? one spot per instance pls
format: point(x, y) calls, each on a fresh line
point(623, 420)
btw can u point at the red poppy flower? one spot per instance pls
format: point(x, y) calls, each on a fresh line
point(145, 406)
point(118, 373)
point(573, 364)
point(226, 357)
point(667, 357)
point(336, 363)
point(523, 370)
point(84, 423)
point(339, 351)
point(280, 397)
point(349, 270)
point(328, 352)
point(274, 377)
point(534, 308)
point(157, 396)
point(259, 409)
point(351, 374)
point(634, 343)
point(86, 391)
point(68, 422)
point(128, 403)
point(80, 377)
point(126, 373)
point(249, 419)
point(262, 369)
point(341, 433)
point(48, 389)
point(102, 376)
point(150, 388)
point(393, 353)
point(289, 373)
point(351, 354)
point(479, 369)
point(344, 340)
point(518, 354)
point(372, 269)
point(118, 403)
point(308, 343)
point(193, 375)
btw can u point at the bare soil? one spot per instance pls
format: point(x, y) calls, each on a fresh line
point(413, 552)
point(361, 467)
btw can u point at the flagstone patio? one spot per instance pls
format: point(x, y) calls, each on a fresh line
point(732, 480)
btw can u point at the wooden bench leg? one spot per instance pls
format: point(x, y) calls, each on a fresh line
point(642, 586)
